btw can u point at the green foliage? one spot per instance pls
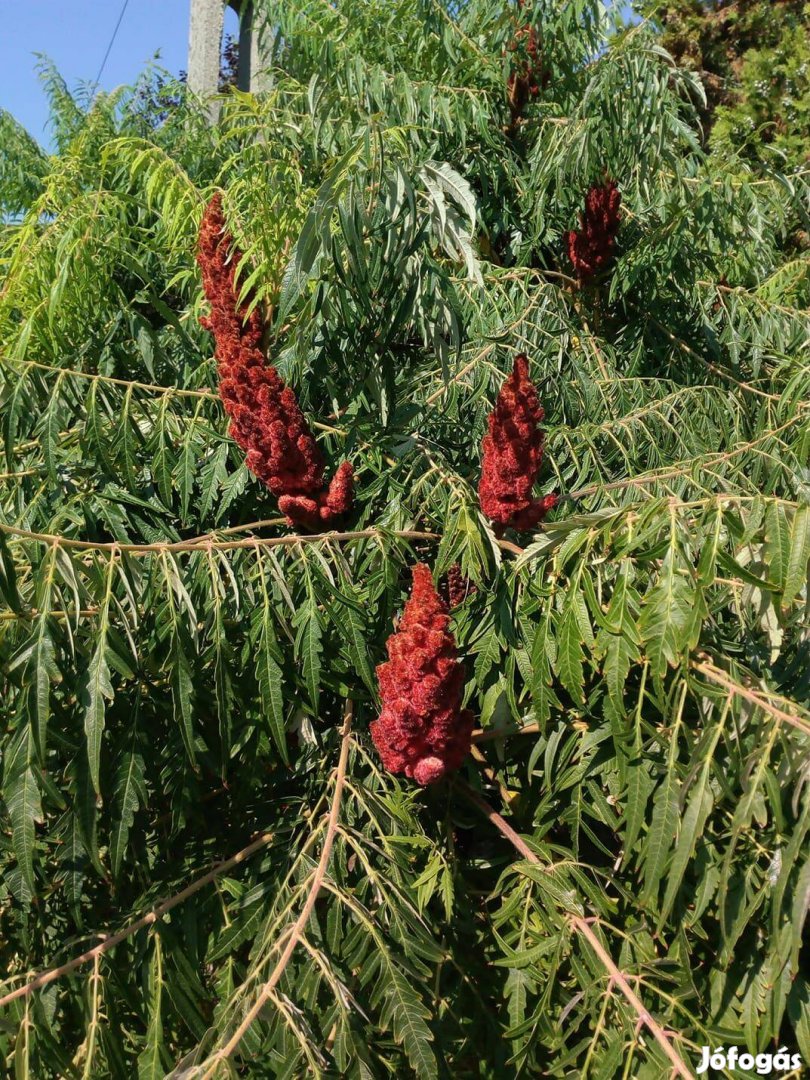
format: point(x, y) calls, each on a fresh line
point(174, 664)
point(752, 57)
point(774, 103)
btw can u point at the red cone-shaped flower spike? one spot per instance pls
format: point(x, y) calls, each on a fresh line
point(313, 512)
point(457, 586)
point(266, 421)
point(422, 730)
point(512, 455)
point(528, 75)
point(590, 247)
point(535, 512)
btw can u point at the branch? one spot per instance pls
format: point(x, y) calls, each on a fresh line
point(485, 734)
point(735, 689)
point(133, 384)
point(711, 366)
point(583, 927)
point(674, 472)
point(295, 934)
point(47, 977)
point(206, 543)
point(55, 369)
point(507, 795)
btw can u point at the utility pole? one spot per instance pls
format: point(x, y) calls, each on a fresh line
point(205, 27)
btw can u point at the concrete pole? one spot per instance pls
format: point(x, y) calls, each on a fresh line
point(256, 43)
point(248, 50)
point(206, 24)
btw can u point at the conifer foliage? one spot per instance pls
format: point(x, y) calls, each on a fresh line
point(270, 807)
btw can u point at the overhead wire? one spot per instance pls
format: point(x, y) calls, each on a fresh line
point(112, 40)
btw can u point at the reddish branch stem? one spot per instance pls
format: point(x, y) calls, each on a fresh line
point(485, 734)
point(721, 678)
point(207, 542)
point(297, 931)
point(582, 926)
point(153, 916)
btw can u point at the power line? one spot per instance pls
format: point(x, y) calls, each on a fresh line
point(112, 41)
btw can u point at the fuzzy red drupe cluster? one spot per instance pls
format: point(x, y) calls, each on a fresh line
point(528, 75)
point(422, 730)
point(590, 247)
point(512, 455)
point(266, 421)
point(457, 586)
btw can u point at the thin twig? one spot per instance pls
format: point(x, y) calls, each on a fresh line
point(485, 734)
point(582, 926)
point(507, 795)
point(507, 545)
point(711, 366)
point(157, 913)
point(600, 360)
point(17, 475)
point(738, 290)
point(133, 384)
point(203, 538)
point(458, 375)
point(206, 543)
point(297, 930)
point(722, 678)
point(487, 349)
point(92, 376)
point(33, 613)
point(670, 473)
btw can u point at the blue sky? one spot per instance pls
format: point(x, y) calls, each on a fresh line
point(75, 35)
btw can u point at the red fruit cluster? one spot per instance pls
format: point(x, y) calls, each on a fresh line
point(529, 75)
point(265, 420)
point(513, 454)
point(457, 586)
point(312, 511)
point(590, 247)
point(422, 730)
